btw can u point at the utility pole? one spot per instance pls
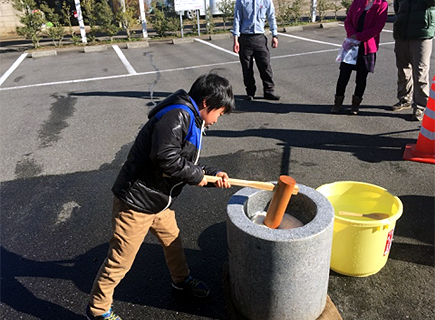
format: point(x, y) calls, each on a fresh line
point(80, 20)
point(143, 20)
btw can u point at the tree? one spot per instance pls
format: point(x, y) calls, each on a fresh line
point(53, 27)
point(209, 21)
point(322, 7)
point(296, 9)
point(106, 19)
point(287, 14)
point(336, 6)
point(32, 19)
point(227, 9)
point(127, 17)
point(89, 16)
point(66, 14)
point(162, 23)
point(346, 4)
point(283, 14)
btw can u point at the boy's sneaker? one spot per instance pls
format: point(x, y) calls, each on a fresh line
point(109, 315)
point(401, 105)
point(194, 286)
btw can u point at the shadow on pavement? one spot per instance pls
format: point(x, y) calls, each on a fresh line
point(366, 147)
point(147, 283)
point(257, 105)
point(417, 222)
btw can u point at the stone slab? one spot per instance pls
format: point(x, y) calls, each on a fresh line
point(329, 25)
point(182, 40)
point(293, 29)
point(220, 36)
point(94, 48)
point(43, 53)
point(138, 44)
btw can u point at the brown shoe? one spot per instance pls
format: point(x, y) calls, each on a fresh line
point(356, 101)
point(338, 103)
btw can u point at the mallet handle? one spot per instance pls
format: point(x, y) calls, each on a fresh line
point(248, 183)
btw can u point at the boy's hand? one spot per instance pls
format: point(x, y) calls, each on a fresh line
point(222, 183)
point(203, 182)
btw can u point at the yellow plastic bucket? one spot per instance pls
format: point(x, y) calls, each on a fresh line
point(360, 245)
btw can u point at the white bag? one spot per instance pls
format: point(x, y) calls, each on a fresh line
point(348, 52)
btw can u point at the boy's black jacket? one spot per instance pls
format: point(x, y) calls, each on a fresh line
point(163, 157)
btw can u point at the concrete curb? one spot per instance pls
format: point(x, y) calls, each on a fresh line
point(94, 49)
point(220, 36)
point(182, 40)
point(45, 53)
point(293, 29)
point(329, 25)
point(138, 44)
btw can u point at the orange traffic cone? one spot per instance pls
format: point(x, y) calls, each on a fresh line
point(424, 149)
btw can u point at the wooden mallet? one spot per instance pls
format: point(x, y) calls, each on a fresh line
point(249, 183)
point(281, 195)
point(280, 199)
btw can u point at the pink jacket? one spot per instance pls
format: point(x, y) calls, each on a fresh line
point(375, 20)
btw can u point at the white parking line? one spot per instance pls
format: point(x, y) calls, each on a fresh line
point(154, 72)
point(383, 30)
point(117, 76)
point(12, 68)
point(328, 43)
point(216, 47)
point(124, 60)
point(308, 39)
point(302, 54)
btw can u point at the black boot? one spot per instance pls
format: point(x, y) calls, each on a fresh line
point(338, 102)
point(356, 101)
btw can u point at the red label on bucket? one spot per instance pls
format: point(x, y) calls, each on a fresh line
point(389, 241)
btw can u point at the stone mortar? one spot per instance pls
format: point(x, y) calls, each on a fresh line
point(279, 274)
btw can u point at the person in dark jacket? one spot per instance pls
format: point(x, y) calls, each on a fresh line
point(413, 31)
point(163, 159)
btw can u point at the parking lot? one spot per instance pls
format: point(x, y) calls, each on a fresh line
point(68, 121)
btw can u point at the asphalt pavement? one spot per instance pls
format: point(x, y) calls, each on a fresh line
point(68, 121)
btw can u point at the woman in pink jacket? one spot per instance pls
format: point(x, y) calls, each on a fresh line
point(364, 22)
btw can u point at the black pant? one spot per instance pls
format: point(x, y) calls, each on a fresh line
point(360, 80)
point(255, 46)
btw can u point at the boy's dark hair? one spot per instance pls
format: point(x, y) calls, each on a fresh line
point(215, 90)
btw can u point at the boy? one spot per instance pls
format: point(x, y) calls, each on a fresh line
point(161, 161)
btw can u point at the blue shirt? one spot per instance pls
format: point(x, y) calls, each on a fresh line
point(250, 16)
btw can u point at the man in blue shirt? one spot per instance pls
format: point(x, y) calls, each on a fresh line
point(250, 42)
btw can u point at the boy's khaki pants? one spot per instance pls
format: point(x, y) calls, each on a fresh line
point(129, 230)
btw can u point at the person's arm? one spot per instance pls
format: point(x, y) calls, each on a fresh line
point(272, 24)
point(236, 25)
point(348, 22)
point(382, 15)
point(396, 6)
point(167, 139)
